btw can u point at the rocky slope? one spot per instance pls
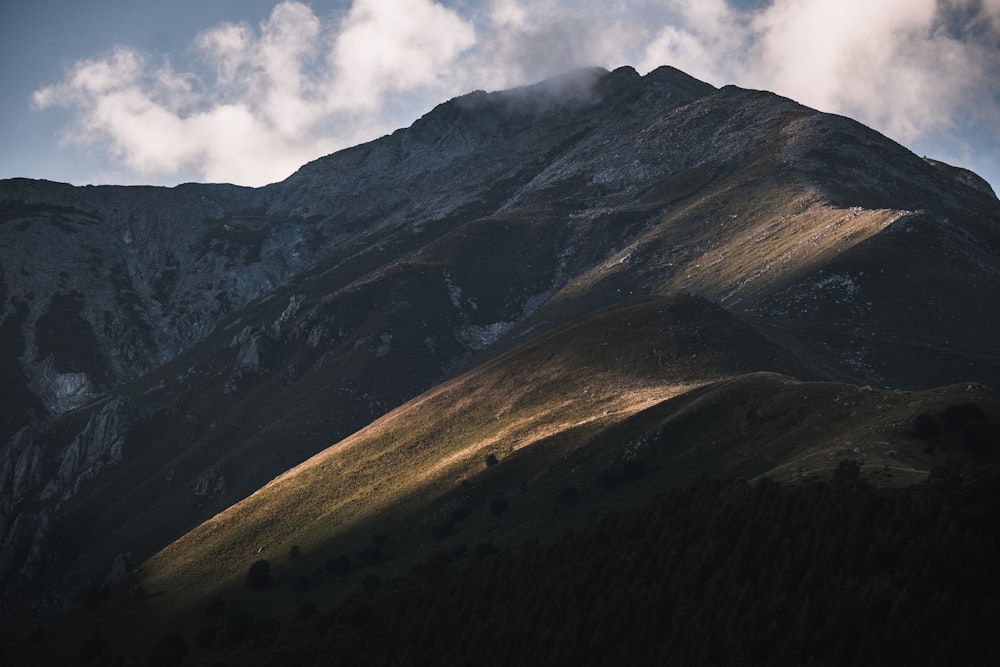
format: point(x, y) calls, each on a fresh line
point(171, 350)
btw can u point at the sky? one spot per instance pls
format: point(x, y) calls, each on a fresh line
point(246, 91)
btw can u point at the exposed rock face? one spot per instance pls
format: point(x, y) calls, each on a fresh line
point(23, 535)
point(20, 466)
point(239, 331)
point(109, 283)
point(98, 446)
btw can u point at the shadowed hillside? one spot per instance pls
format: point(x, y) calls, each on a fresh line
point(540, 439)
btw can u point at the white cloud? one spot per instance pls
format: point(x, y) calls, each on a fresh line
point(922, 71)
point(387, 46)
point(524, 41)
point(881, 61)
point(705, 38)
point(298, 86)
point(276, 97)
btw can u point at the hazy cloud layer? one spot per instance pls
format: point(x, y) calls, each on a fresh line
point(258, 101)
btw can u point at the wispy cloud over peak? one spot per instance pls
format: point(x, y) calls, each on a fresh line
point(390, 46)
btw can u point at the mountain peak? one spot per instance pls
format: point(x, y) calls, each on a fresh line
point(963, 176)
point(666, 75)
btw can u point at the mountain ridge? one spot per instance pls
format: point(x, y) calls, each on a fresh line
point(249, 329)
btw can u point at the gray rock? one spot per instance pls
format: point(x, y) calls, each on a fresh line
point(99, 445)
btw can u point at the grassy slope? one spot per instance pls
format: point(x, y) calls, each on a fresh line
point(673, 383)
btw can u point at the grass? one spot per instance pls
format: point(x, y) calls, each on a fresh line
point(427, 446)
point(409, 472)
point(557, 413)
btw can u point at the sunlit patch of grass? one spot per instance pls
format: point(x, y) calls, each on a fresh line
point(584, 377)
point(678, 377)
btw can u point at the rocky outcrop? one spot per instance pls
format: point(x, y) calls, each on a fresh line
point(255, 343)
point(22, 547)
point(20, 466)
point(27, 508)
point(108, 283)
point(22, 534)
point(99, 445)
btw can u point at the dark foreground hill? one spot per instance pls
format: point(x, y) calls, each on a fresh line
point(527, 308)
point(822, 573)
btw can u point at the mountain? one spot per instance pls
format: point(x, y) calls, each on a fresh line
point(593, 277)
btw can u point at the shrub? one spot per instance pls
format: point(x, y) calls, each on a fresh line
point(847, 474)
point(498, 506)
point(204, 638)
point(167, 651)
point(947, 476)
point(956, 416)
point(568, 495)
point(630, 470)
point(301, 583)
point(484, 550)
point(371, 582)
point(97, 596)
point(980, 438)
point(371, 555)
point(216, 607)
point(339, 565)
point(94, 648)
point(265, 633)
point(359, 615)
point(633, 470)
point(609, 477)
point(295, 552)
point(259, 576)
point(927, 427)
point(437, 563)
point(460, 513)
point(238, 626)
point(491, 460)
point(441, 530)
point(305, 611)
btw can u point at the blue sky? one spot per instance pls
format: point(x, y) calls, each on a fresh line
point(245, 91)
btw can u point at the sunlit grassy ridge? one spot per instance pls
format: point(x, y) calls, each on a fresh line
point(674, 383)
point(582, 377)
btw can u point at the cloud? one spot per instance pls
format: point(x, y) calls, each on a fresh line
point(910, 68)
point(526, 41)
point(261, 100)
point(888, 62)
point(925, 72)
point(391, 46)
point(275, 97)
point(705, 38)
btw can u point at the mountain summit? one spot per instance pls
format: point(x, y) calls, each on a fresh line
point(597, 258)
